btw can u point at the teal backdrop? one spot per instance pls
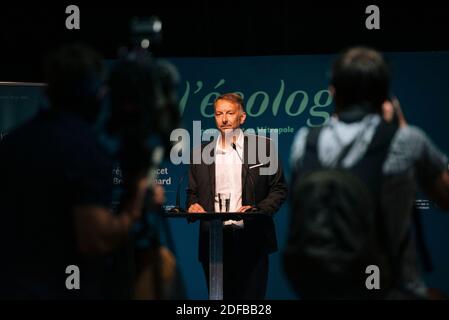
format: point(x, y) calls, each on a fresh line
point(282, 93)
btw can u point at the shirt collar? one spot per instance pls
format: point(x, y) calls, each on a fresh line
point(239, 142)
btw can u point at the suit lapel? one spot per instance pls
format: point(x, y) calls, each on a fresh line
point(245, 160)
point(211, 169)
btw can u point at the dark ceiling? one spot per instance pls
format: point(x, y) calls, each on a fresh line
point(230, 28)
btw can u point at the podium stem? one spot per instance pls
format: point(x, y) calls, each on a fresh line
point(216, 260)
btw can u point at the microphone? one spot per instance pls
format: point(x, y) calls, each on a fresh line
point(246, 167)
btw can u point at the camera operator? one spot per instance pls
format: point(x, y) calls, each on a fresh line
point(143, 104)
point(56, 188)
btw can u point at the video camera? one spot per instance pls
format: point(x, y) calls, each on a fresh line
point(143, 99)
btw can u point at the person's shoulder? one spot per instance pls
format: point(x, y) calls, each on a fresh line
point(411, 131)
point(409, 146)
point(298, 146)
point(300, 138)
point(302, 133)
point(81, 144)
point(202, 146)
point(411, 135)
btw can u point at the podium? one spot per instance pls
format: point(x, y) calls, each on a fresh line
point(215, 244)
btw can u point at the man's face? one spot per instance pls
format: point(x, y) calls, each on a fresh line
point(228, 115)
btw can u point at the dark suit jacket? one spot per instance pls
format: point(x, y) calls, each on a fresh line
point(269, 191)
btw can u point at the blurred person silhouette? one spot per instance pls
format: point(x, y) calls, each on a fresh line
point(353, 187)
point(56, 188)
point(144, 111)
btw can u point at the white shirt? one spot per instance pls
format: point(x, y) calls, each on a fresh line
point(228, 174)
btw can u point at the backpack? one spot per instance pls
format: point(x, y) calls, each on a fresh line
point(336, 228)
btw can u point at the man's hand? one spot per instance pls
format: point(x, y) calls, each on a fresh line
point(399, 113)
point(244, 209)
point(196, 208)
point(392, 107)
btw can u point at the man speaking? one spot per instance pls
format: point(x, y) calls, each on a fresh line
point(239, 171)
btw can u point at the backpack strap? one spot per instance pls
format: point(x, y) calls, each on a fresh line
point(344, 153)
point(311, 161)
point(377, 153)
point(369, 168)
point(312, 137)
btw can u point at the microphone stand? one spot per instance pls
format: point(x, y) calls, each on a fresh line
point(246, 167)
